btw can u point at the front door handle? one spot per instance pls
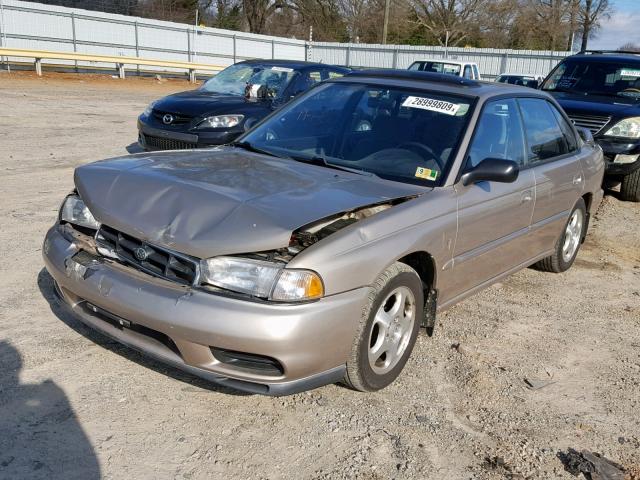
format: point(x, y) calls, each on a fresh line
point(577, 180)
point(526, 196)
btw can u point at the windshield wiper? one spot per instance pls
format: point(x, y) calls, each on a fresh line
point(252, 148)
point(321, 161)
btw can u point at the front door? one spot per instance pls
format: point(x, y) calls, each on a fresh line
point(493, 217)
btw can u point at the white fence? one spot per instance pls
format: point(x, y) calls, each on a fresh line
point(491, 61)
point(46, 27)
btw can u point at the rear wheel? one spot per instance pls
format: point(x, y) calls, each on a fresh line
point(569, 242)
point(388, 329)
point(630, 188)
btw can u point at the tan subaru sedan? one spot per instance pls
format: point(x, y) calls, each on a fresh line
point(313, 249)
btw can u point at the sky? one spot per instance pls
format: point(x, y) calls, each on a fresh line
point(621, 28)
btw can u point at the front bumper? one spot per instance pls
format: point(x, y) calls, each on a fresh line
point(154, 138)
point(611, 148)
point(311, 341)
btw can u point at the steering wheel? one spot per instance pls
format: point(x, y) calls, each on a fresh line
point(420, 148)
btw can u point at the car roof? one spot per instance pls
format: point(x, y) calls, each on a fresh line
point(295, 64)
point(445, 60)
point(439, 82)
point(606, 56)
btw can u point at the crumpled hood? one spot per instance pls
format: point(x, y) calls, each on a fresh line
point(222, 201)
point(195, 103)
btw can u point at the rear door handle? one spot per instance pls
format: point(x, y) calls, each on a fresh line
point(526, 196)
point(577, 180)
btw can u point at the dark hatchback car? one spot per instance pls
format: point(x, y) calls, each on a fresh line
point(228, 104)
point(601, 91)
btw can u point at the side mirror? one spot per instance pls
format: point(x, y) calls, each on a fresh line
point(492, 170)
point(585, 135)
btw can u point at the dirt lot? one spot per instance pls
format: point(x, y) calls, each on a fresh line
point(76, 405)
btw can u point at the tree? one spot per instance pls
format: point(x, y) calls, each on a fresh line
point(629, 47)
point(591, 13)
point(258, 12)
point(448, 20)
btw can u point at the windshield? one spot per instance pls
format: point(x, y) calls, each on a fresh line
point(403, 135)
point(524, 80)
point(436, 67)
point(595, 78)
point(234, 80)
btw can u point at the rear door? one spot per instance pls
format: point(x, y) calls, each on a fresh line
point(552, 153)
point(493, 217)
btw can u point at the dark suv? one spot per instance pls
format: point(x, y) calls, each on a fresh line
point(601, 91)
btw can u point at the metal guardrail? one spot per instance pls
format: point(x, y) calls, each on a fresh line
point(119, 61)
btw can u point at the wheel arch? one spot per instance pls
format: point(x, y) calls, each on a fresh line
point(425, 266)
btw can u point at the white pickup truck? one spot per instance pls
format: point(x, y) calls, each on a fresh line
point(452, 67)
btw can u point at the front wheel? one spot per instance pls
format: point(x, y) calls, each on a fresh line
point(568, 244)
point(388, 329)
point(630, 188)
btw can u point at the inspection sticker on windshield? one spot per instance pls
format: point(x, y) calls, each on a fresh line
point(627, 72)
point(426, 173)
point(431, 104)
point(282, 69)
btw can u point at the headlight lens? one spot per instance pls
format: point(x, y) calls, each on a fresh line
point(75, 211)
point(255, 277)
point(221, 121)
point(627, 128)
point(147, 111)
point(262, 279)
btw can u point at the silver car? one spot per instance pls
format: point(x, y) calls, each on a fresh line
point(313, 249)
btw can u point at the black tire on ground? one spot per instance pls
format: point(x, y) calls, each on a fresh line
point(556, 263)
point(630, 188)
point(360, 376)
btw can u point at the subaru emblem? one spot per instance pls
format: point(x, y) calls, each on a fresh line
point(140, 254)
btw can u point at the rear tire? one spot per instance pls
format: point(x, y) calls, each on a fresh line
point(630, 188)
point(388, 329)
point(568, 244)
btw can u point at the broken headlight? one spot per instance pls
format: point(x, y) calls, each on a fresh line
point(260, 278)
point(75, 211)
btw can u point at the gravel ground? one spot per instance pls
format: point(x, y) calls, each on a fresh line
point(73, 404)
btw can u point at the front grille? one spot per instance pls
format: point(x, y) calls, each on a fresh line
point(592, 122)
point(177, 119)
point(167, 143)
point(149, 258)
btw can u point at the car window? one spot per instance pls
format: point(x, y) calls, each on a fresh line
point(305, 80)
point(498, 134)
point(335, 74)
point(572, 143)
point(467, 72)
point(403, 135)
point(544, 136)
point(475, 72)
point(621, 79)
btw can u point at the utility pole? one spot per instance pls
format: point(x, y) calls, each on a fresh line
point(386, 21)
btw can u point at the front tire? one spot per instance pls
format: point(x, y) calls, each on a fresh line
point(388, 329)
point(568, 244)
point(630, 188)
